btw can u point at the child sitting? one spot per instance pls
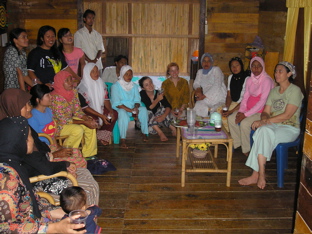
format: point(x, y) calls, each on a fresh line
point(75, 198)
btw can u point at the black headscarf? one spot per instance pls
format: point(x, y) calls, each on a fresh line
point(13, 149)
point(237, 80)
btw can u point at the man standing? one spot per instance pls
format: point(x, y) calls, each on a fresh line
point(89, 40)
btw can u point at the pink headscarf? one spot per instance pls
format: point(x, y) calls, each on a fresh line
point(257, 79)
point(59, 80)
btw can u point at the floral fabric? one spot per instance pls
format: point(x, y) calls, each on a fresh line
point(16, 215)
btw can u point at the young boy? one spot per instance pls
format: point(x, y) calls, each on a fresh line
point(75, 198)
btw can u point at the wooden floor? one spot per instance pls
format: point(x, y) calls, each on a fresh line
point(145, 195)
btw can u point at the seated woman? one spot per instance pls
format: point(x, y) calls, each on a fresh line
point(15, 61)
point(236, 87)
point(126, 100)
point(279, 123)
point(158, 108)
point(22, 211)
point(210, 90)
point(74, 56)
point(46, 60)
point(70, 119)
point(42, 122)
point(111, 74)
point(15, 102)
point(258, 87)
point(94, 91)
point(176, 90)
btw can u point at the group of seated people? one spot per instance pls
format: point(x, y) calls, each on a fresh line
point(61, 103)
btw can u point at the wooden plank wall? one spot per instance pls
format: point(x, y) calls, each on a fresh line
point(231, 25)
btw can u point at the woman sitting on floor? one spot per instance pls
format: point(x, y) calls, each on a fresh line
point(176, 90)
point(126, 101)
point(70, 119)
point(42, 122)
point(95, 92)
point(158, 108)
point(210, 90)
point(22, 211)
point(279, 123)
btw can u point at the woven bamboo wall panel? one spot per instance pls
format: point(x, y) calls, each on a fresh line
point(152, 55)
point(116, 18)
point(160, 19)
point(195, 19)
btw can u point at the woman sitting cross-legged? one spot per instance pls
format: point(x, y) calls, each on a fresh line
point(279, 123)
point(42, 122)
point(22, 211)
point(210, 90)
point(158, 108)
point(69, 117)
point(95, 93)
point(126, 100)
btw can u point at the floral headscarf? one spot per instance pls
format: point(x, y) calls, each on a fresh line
point(59, 80)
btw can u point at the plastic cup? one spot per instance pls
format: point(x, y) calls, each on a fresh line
point(225, 109)
point(218, 125)
point(81, 218)
point(134, 114)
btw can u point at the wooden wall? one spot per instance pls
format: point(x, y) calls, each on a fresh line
point(157, 32)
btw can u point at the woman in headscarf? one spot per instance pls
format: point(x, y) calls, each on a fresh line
point(42, 122)
point(21, 210)
point(176, 90)
point(95, 93)
point(69, 117)
point(126, 101)
point(279, 123)
point(15, 102)
point(210, 90)
point(235, 89)
point(257, 89)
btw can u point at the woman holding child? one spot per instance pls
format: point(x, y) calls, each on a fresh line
point(279, 123)
point(157, 106)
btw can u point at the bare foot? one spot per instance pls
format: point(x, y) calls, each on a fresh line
point(123, 144)
point(261, 182)
point(163, 137)
point(253, 179)
point(173, 131)
point(104, 142)
point(144, 137)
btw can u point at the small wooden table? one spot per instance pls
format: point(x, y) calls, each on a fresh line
point(207, 164)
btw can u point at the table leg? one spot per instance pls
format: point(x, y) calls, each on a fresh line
point(178, 142)
point(216, 150)
point(184, 157)
point(229, 164)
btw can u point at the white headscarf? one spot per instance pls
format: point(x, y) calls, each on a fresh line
point(93, 88)
point(125, 85)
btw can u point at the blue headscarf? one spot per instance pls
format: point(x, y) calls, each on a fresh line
point(205, 71)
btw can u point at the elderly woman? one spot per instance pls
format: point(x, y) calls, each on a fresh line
point(95, 93)
point(126, 101)
point(279, 123)
point(210, 90)
point(21, 209)
point(258, 87)
point(15, 102)
point(176, 90)
point(69, 117)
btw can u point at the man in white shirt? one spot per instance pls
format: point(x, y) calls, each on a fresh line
point(89, 40)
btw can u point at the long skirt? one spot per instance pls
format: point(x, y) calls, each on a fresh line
point(266, 138)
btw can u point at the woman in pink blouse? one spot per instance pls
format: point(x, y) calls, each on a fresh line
point(258, 87)
point(69, 118)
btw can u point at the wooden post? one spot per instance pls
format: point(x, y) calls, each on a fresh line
point(79, 14)
point(202, 18)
